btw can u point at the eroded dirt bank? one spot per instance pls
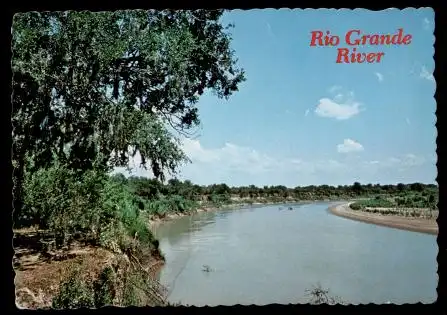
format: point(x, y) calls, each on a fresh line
point(39, 271)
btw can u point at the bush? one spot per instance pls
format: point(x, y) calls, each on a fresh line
point(74, 293)
point(218, 199)
point(376, 203)
point(131, 287)
point(104, 287)
point(129, 230)
point(171, 204)
point(355, 206)
point(63, 201)
point(101, 208)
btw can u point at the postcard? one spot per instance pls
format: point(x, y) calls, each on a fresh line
point(223, 157)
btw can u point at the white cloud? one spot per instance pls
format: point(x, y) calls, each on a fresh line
point(230, 156)
point(306, 112)
point(244, 166)
point(239, 165)
point(412, 160)
point(349, 145)
point(379, 76)
point(393, 160)
point(404, 161)
point(338, 97)
point(134, 168)
point(426, 75)
point(331, 109)
point(195, 152)
point(342, 106)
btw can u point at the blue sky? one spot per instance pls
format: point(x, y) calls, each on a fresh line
point(302, 119)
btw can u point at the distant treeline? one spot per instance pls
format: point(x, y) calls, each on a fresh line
point(152, 189)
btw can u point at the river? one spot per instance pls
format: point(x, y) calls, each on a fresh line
point(263, 255)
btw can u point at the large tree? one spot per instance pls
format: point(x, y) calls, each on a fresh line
point(92, 89)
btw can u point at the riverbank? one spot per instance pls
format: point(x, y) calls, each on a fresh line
point(428, 226)
point(38, 274)
point(230, 241)
point(155, 220)
point(40, 271)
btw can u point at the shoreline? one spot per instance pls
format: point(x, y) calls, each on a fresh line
point(155, 220)
point(27, 280)
point(402, 223)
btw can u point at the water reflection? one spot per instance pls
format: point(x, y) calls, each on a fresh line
point(173, 231)
point(262, 255)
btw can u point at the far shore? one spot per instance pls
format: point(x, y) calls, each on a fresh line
point(31, 293)
point(427, 226)
point(340, 208)
point(156, 220)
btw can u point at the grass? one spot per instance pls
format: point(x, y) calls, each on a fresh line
point(372, 203)
point(112, 215)
point(421, 205)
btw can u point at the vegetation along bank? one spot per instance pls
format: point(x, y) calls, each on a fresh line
point(411, 207)
point(90, 91)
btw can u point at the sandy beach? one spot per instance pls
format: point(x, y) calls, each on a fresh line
point(404, 223)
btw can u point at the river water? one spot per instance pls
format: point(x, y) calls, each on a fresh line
point(264, 255)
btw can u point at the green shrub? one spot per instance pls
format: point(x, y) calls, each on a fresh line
point(376, 203)
point(74, 293)
point(64, 201)
point(139, 290)
point(218, 199)
point(104, 287)
point(112, 236)
point(355, 206)
point(131, 287)
point(171, 204)
point(101, 208)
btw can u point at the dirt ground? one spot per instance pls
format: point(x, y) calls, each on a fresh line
point(39, 271)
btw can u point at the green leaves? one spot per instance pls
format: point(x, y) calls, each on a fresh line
point(63, 201)
point(90, 91)
point(105, 83)
point(74, 293)
point(66, 202)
